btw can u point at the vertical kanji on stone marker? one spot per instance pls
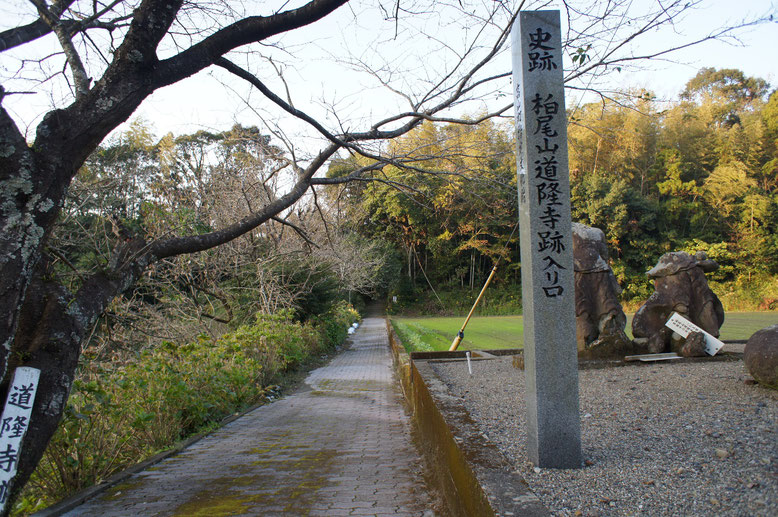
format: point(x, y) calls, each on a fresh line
point(550, 352)
point(20, 396)
point(8, 458)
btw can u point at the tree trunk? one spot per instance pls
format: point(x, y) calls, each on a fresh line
point(52, 325)
point(472, 270)
point(48, 338)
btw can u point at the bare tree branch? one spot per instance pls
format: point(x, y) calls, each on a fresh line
point(20, 35)
point(297, 229)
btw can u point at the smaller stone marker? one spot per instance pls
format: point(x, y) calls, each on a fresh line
point(14, 424)
point(683, 327)
point(548, 293)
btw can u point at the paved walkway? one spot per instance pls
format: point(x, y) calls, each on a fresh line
point(340, 446)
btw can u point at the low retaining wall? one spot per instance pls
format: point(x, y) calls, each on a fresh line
point(473, 476)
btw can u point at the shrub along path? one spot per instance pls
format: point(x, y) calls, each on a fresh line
point(339, 446)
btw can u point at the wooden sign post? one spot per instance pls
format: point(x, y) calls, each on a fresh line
point(548, 297)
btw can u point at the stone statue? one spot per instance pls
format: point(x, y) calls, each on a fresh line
point(679, 286)
point(599, 317)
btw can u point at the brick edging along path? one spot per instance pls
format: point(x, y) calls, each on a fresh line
point(339, 446)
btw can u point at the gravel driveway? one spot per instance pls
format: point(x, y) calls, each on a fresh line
point(683, 438)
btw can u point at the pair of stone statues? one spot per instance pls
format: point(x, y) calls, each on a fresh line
point(680, 286)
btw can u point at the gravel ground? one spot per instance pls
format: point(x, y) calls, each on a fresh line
point(659, 439)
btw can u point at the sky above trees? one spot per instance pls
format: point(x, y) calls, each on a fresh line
point(212, 100)
point(751, 54)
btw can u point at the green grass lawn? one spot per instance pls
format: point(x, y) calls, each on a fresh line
point(482, 333)
point(741, 325)
point(492, 332)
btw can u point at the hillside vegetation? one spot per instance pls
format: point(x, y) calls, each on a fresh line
point(697, 174)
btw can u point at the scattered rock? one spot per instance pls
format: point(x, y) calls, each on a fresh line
point(722, 453)
point(693, 346)
point(761, 356)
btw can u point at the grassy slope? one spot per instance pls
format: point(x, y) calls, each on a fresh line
point(489, 332)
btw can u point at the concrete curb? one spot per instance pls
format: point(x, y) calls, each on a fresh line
point(473, 476)
point(401, 360)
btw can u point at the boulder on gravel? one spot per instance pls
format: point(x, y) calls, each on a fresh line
point(761, 356)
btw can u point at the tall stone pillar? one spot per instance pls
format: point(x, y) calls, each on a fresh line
point(550, 352)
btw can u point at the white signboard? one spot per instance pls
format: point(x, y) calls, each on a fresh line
point(14, 423)
point(682, 326)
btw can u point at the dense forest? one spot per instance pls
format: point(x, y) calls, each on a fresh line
point(700, 173)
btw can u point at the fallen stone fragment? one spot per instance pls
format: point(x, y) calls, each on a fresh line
point(694, 345)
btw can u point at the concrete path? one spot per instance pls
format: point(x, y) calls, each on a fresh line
point(340, 446)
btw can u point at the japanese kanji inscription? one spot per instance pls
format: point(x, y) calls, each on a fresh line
point(550, 352)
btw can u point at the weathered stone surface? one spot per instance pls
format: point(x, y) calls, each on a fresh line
point(671, 264)
point(761, 356)
point(590, 251)
point(599, 318)
point(679, 286)
point(547, 272)
point(692, 346)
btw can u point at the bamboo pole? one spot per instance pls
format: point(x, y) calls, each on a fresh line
point(461, 333)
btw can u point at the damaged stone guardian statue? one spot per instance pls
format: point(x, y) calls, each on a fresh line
point(679, 286)
point(599, 318)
